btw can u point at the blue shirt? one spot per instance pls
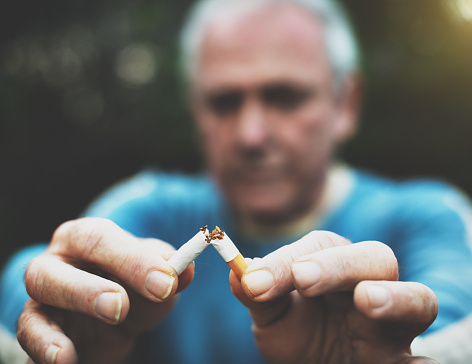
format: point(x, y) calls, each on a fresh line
point(424, 222)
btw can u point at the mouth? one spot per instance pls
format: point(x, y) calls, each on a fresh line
point(259, 175)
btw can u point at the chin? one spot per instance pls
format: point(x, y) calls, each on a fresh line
point(267, 203)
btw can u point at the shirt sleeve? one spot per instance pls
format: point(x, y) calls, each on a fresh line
point(13, 297)
point(151, 203)
point(436, 248)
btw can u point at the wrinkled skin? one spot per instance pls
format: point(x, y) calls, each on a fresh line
point(297, 319)
point(336, 318)
point(85, 258)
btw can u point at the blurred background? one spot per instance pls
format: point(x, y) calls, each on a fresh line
point(89, 95)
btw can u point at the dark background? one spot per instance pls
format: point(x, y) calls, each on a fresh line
point(89, 94)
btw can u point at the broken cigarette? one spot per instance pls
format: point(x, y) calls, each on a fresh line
point(188, 252)
point(228, 251)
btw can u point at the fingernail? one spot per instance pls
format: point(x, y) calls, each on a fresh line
point(51, 353)
point(378, 296)
point(306, 274)
point(108, 305)
point(159, 284)
point(259, 281)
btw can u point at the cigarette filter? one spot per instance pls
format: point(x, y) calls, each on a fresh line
point(228, 251)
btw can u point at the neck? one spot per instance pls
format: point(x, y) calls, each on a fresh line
point(335, 189)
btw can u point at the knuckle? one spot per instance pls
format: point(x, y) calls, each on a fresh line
point(326, 239)
point(430, 300)
point(311, 242)
point(24, 324)
point(390, 260)
point(87, 235)
point(329, 239)
point(62, 233)
point(285, 257)
point(30, 340)
point(384, 254)
point(345, 269)
point(313, 235)
point(32, 275)
point(320, 239)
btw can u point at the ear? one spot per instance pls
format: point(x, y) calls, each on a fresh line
point(350, 99)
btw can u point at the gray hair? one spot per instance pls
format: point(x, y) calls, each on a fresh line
point(342, 47)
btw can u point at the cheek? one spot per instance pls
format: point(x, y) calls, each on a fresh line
point(216, 143)
point(309, 147)
point(309, 137)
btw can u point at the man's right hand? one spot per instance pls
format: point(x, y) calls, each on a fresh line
point(95, 288)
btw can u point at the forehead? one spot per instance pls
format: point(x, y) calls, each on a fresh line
point(274, 43)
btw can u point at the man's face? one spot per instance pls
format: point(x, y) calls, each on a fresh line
point(264, 102)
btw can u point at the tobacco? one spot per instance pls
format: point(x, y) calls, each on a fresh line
point(217, 233)
point(188, 252)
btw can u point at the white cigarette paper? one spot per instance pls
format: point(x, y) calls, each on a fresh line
point(226, 248)
point(188, 252)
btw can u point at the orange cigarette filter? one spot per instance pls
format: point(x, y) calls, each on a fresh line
point(238, 265)
point(228, 251)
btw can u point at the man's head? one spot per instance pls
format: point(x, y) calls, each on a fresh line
point(272, 99)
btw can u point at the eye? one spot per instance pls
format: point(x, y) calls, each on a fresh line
point(225, 103)
point(285, 97)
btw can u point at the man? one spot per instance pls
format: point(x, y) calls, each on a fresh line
point(274, 89)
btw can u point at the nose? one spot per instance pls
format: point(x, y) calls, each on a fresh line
point(254, 130)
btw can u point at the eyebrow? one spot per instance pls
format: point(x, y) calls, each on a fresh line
point(301, 89)
point(273, 86)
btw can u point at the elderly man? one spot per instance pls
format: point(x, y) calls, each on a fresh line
point(274, 89)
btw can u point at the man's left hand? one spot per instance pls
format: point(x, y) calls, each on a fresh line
point(325, 300)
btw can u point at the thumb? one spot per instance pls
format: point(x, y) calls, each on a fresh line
point(267, 282)
point(262, 314)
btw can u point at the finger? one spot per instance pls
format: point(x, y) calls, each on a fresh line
point(411, 306)
point(53, 282)
point(262, 313)
point(342, 268)
point(138, 263)
point(167, 250)
point(42, 338)
point(271, 276)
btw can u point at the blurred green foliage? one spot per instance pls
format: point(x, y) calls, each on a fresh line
point(89, 94)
